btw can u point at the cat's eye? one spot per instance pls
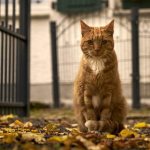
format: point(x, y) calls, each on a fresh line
point(104, 41)
point(90, 42)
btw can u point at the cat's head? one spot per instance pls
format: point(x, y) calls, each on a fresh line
point(97, 41)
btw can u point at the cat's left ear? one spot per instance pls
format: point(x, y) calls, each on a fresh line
point(84, 27)
point(110, 27)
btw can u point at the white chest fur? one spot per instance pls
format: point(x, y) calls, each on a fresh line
point(96, 101)
point(97, 65)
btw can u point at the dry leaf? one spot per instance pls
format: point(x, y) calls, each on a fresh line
point(28, 125)
point(51, 127)
point(128, 133)
point(6, 117)
point(39, 138)
point(110, 136)
point(58, 138)
point(17, 124)
point(9, 137)
point(141, 125)
point(87, 143)
point(9, 130)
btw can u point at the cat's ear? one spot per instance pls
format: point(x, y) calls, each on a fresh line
point(110, 27)
point(84, 27)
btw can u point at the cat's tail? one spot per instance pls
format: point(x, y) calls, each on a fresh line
point(104, 126)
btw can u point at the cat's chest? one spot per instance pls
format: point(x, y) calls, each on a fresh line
point(96, 101)
point(97, 66)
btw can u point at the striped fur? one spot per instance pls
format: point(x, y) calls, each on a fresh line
point(98, 99)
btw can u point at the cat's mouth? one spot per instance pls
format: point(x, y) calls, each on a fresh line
point(96, 53)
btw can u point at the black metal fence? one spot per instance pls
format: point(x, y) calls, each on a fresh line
point(131, 44)
point(14, 56)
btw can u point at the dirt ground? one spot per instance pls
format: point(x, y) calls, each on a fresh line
point(56, 129)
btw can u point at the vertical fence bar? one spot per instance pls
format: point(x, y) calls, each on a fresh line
point(25, 30)
point(6, 51)
point(6, 67)
point(9, 66)
point(6, 13)
point(2, 59)
point(0, 10)
point(135, 58)
point(14, 14)
point(13, 51)
point(13, 68)
point(18, 69)
point(55, 77)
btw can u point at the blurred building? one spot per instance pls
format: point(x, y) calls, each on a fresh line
point(69, 53)
point(40, 51)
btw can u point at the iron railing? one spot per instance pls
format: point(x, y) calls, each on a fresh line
point(131, 46)
point(14, 57)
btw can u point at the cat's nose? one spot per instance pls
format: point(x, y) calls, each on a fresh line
point(96, 47)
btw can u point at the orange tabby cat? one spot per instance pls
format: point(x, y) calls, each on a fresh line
point(98, 99)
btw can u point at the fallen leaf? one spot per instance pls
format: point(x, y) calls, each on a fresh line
point(141, 125)
point(17, 124)
point(58, 138)
point(74, 131)
point(110, 136)
point(28, 125)
point(34, 131)
point(1, 136)
point(9, 130)
point(128, 133)
point(87, 143)
point(51, 127)
point(39, 138)
point(1, 131)
point(6, 117)
point(9, 137)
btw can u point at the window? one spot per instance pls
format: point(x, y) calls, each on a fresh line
point(38, 1)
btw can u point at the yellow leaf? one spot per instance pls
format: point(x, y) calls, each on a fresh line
point(39, 138)
point(141, 125)
point(143, 135)
point(16, 124)
point(34, 131)
point(1, 131)
point(87, 143)
point(9, 137)
point(1, 136)
point(51, 127)
point(128, 133)
point(58, 138)
point(110, 136)
point(6, 117)
point(9, 130)
point(28, 125)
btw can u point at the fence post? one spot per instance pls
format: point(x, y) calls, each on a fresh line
point(25, 8)
point(55, 78)
point(135, 58)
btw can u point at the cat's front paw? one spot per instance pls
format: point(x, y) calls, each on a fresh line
point(91, 125)
point(82, 128)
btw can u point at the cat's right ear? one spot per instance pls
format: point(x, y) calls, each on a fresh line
point(84, 27)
